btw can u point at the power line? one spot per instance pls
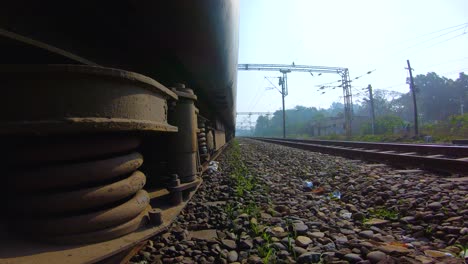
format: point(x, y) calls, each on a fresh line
point(285, 69)
point(398, 53)
point(258, 91)
point(368, 72)
point(323, 86)
point(446, 62)
point(274, 86)
point(355, 78)
point(260, 97)
point(447, 40)
point(455, 71)
point(422, 49)
point(410, 47)
point(392, 86)
point(434, 32)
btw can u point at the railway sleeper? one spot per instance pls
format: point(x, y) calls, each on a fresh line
point(403, 160)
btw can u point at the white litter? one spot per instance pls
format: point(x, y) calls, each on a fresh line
point(213, 166)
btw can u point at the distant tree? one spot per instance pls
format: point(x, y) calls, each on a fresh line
point(438, 98)
point(261, 125)
point(384, 125)
point(433, 94)
point(335, 109)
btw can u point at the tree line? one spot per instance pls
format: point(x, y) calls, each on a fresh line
point(441, 105)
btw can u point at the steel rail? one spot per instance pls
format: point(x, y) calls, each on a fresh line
point(405, 160)
point(426, 149)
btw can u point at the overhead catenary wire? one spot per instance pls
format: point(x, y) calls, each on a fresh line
point(463, 25)
point(258, 93)
point(428, 40)
point(455, 71)
point(274, 86)
point(260, 97)
point(458, 28)
point(324, 86)
point(447, 40)
point(399, 55)
point(451, 29)
point(445, 62)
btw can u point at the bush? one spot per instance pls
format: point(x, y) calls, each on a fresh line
point(383, 125)
point(455, 127)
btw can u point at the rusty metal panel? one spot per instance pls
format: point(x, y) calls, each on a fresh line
point(220, 139)
point(72, 99)
point(184, 142)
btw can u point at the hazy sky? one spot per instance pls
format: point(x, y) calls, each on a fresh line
point(361, 35)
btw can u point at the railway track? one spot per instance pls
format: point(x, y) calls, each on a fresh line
point(440, 158)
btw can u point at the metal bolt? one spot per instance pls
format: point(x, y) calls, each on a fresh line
point(179, 85)
point(155, 216)
point(174, 180)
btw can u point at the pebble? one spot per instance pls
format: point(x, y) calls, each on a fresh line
point(232, 256)
point(394, 249)
point(376, 221)
point(464, 231)
point(283, 253)
point(309, 257)
point(246, 244)
point(277, 229)
point(317, 234)
point(408, 219)
point(145, 254)
point(230, 244)
point(367, 233)
point(376, 256)
point(356, 228)
point(303, 241)
point(358, 216)
point(435, 206)
point(279, 246)
point(254, 259)
point(352, 258)
point(299, 250)
point(300, 228)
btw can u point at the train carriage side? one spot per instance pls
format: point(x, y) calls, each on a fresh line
point(108, 112)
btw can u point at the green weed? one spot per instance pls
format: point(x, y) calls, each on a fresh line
point(266, 251)
point(291, 247)
point(229, 210)
point(255, 228)
point(429, 230)
point(464, 250)
point(251, 209)
point(384, 214)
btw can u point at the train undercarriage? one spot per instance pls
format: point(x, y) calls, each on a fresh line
point(107, 120)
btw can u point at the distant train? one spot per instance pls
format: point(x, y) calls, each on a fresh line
point(108, 112)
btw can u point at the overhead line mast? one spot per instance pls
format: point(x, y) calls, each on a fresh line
point(285, 69)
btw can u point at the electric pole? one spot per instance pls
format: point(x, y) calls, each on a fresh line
point(283, 81)
point(413, 92)
point(371, 99)
point(286, 68)
point(461, 106)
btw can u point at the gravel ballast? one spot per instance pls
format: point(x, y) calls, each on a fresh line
point(255, 209)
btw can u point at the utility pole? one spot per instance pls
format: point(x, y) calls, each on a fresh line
point(287, 68)
point(283, 81)
point(250, 124)
point(348, 102)
point(461, 106)
point(371, 98)
point(413, 92)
